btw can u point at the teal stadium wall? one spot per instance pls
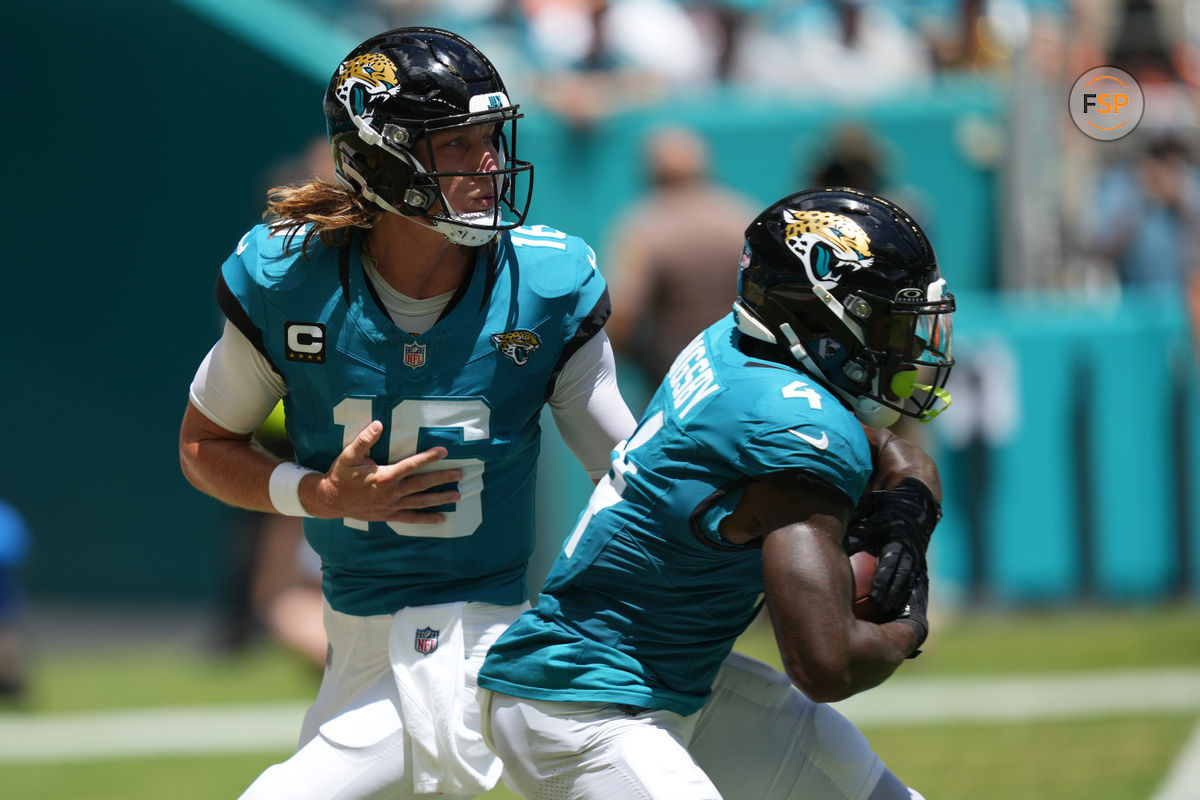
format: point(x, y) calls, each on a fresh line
point(139, 146)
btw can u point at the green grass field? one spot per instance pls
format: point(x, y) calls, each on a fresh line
point(1115, 757)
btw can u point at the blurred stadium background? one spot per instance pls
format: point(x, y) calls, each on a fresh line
point(142, 134)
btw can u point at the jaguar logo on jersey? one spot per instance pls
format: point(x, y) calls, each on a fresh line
point(517, 345)
point(414, 355)
point(426, 641)
point(305, 341)
point(363, 80)
point(829, 245)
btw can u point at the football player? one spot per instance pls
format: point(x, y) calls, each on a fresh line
point(414, 327)
point(738, 484)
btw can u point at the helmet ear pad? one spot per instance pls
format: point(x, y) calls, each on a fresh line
point(797, 307)
point(393, 183)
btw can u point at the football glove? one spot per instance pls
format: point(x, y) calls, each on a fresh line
point(895, 525)
point(915, 611)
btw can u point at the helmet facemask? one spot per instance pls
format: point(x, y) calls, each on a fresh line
point(906, 356)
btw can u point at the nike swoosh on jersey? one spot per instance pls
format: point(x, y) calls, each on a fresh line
point(820, 444)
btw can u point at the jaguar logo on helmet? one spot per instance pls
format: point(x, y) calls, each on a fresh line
point(829, 245)
point(363, 80)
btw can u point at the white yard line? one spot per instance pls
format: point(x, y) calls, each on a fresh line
point(903, 701)
point(908, 701)
point(202, 730)
point(1184, 777)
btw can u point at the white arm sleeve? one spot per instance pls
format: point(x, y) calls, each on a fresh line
point(235, 386)
point(588, 408)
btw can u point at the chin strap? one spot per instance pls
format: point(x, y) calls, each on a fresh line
point(459, 234)
point(905, 383)
point(941, 394)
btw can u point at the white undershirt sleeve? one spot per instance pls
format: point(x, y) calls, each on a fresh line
point(236, 386)
point(588, 408)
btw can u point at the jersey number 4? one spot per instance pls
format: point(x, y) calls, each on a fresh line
point(470, 416)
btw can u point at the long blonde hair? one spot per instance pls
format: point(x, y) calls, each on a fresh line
point(331, 212)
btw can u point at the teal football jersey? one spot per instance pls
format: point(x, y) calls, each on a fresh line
point(475, 383)
point(646, 598)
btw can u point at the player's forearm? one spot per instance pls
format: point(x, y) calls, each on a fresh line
point(896, 458)
point(827, 653)
point(226, 466)
point(841, 656)
point(876, 652)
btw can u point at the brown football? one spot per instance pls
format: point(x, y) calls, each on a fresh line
point(863, 565)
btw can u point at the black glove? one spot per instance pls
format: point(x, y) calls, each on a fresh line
point(915, 611)
point(895, 526)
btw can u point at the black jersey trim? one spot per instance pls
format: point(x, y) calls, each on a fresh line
point(589, 326)
point(344, 273)
point(788, 478)
point(492, 271)
point(231, 307)
point(461, 291)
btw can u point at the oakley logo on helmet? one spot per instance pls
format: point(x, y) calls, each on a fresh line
point(847, 247)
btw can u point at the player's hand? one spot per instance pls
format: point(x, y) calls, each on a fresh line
point(357, 487)
point(895, 525)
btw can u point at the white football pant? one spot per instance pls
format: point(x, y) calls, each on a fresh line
point(756, 738)
point(394, 718)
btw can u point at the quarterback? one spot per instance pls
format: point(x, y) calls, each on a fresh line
point(415, 327)
point(739, 484)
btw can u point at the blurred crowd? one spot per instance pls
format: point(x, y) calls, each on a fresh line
point(586, 59)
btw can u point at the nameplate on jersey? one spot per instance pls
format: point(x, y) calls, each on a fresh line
point(304, 341)
point(691, 378)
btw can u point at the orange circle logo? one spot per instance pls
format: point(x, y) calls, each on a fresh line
point(1106, 103)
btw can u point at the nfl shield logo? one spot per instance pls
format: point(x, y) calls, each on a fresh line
point(427, 641)
point(414, 355)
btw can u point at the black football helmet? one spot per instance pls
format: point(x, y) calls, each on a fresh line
point(845, 283)
point(386, 98)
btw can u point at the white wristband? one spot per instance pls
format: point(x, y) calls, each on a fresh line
point(285, 489)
